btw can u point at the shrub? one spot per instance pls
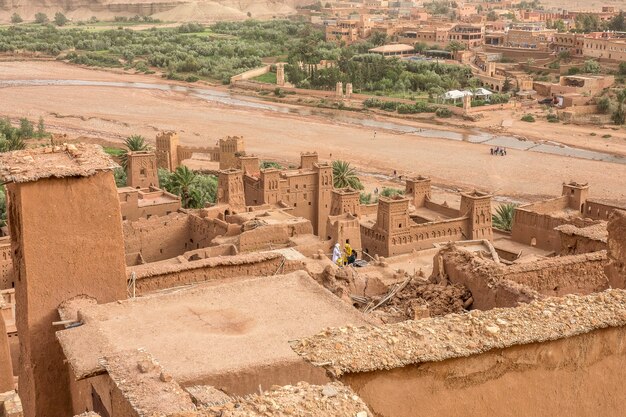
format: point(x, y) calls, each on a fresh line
point(191, 78)
point(553, 118)
point(16, 18)
point(41, 18)
point(604, 105)
point(443, 112)
point(60, 19)
point(528, 118)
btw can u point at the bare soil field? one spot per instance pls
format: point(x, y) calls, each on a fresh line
point(112, 113)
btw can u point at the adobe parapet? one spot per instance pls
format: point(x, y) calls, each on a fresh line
point(366, 349)
point(28, 165)
point(476, 195)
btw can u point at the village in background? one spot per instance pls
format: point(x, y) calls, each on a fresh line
point(346, 208)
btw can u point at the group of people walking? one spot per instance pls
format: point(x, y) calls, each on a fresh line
point(498, 151)
point(345, 257)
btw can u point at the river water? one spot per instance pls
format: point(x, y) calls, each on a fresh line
point(474, 136)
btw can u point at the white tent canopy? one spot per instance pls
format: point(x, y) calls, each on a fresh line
point(456, 94)
point(482, 92)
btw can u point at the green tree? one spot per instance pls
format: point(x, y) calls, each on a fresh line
point(26, 129)
point(12, 143)
point(507, 86)
point(181, 183)
point(591, 66)
point(120, 177)
point(455, 46)
point(16, 18)
point(565, 56)
point(604, 105)
point(345, 176)
point(270, 164)
point(41, 18)
point(203, 191)
point(622, 68)
point(133, 143)
point(503, 217)
point(391, 192)
point(378, 38)
point(559, 25)
point(60, 19)
point(492, 16)
point(41, 128)
point(619, 115)
point(618, 23)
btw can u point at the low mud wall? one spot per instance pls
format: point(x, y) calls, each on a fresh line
point(157, 277)
point(576, 377)
point(497, 285)
point(575, 274)
point(562, 356)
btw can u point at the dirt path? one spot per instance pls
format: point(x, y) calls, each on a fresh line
point(113, 113)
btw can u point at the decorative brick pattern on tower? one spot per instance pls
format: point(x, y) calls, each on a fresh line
point(230, 189)
point(577, 195)
point(324, 189)
point(230, 149)
point(141, 170)
point(345, 200)
point(75, 248)
point(477, 207)
point(167, 150)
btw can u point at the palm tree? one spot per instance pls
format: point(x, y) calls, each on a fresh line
point(503, 217)
point(13, 143)
point(345, 176)
point(133, 143)
point(182, 182)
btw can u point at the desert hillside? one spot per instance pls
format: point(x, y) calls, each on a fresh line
point(166, 10)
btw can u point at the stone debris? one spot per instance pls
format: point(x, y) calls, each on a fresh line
point(421, 299)
point(138, 376)
point(594, 232)
point(369, 348)
point(79, 160)
point(300, 400)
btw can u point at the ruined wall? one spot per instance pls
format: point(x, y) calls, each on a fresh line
point(269, 237)
point(579, 376)
point(576, 274)
point(485, 280)
point(616, 267)
point(599, 211)
point(572, 244)
point(157, 277)
point(158, 238)
point(497, 285)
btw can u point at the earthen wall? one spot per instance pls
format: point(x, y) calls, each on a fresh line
point(158, 238)
point(579, 376)
point(6, 264)
point(156, 277)
point(599, 211)
point(76, 248)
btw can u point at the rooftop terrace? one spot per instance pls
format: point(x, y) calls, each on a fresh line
point(206, 332)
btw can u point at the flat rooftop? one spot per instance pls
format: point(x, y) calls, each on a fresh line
point(79, 160)
point(208, 330)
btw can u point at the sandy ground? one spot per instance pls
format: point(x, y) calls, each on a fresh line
point(113, 113)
